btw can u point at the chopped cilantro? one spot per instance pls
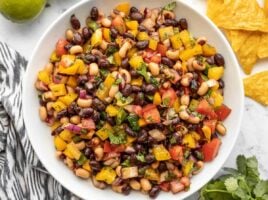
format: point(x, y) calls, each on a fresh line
point(118, 137)
point(166, 101)
point(140, 157)
point(173, 140)
point(118, 81)
point(170, 6)
point(111, 49)
point(126, 163)
point(154, 81)
point(143, 71)
point(133, 122)
point(170, 176)
point(104, 72)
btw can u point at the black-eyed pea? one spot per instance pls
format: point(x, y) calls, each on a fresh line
point(154, 68)
point(43, 113)
point(135, 185)
point(84, 103)
point(93, 69)
point(198, 66)
point(185, 100)
point(106, 22)
point(49, 68)
point(145, 184)
point(98, 184)
point(220, 128)
point(201, 40)
point(69, 34)
point(166, 84)
point(76, 49)
point(75, 119)
point(64, 120)
point(69, 162)
point(123, 50)
point(193, 119)
point(80, 145)
point(82, 173)
point(114, 89)
point(99, 153)
point(173, 54)
point(155, 165)
point(202, 90)
point(166, 43)
point(103, 45)
point(199, 166)
point(118, 170)
point(185, 181)
point(177, 66)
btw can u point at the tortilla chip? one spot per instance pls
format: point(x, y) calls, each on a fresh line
point(237, 38)
point(266, 7)
point(239, 15)
point(256, 87)
point(263, 46)
point(247, 54)
point(212, 7)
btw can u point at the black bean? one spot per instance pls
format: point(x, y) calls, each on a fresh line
point(133, 73)
point(157, 25)
point(125, 63)
point(86, 112)
point(103, 63)
point(89, 87)
point(138, 147)
point(210, 60)
point(89, 58)
point(192, 127)
point(171, 22)
point(75, 22)
point(136, 88)
point(130, 132)
point(62, 113)
point(175, 120)
point(143, 136)
point(98, 104)
point(167, 61)
point(57, 131)
point(127, 90)
point(149, 158)
point(142, 28)
point(142, 44)
point(88, 152)
point(128, 35)
point(195, 75)
point(139, 99)
point(68, 46)
point(136, 16)
point(114, 32)
point(95, 116)
point(73, 109)
point(110, 120)
point(78, 39)
point(126, 190)
point(95, 165)
point(183, 24)
point(194, 85)
point(82, 79)
point(150, 89)
point(118, 181)
point(162, 167)
point(87, 33)
point(62, 156)
point(94, 13)
point(154, 191)
point(221, 84)
point(133, 9)
point(219, 60)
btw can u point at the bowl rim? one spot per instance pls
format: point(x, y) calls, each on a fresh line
point(192, 9)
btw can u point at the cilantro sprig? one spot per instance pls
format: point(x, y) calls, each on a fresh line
point(242, 183)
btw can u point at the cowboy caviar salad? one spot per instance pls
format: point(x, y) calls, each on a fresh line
point(134, 100)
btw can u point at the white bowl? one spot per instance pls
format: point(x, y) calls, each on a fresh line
point(39, 133)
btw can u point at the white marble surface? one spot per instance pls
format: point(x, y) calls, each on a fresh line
point(253, 139)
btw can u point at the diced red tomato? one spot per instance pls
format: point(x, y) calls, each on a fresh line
point(168, 96)
point(205, 108)
point(210, 150)
point(162, 49)
point(186, 90)
point(151, 114)
point(176, 153)
point(134, 109)
point(223, 112)
point(211, 124)
point(156, 58)
point(88, 123)
point(165, 186)
point(176, 76)
point(119, 24)
point(109, 148)
point(151, 56)
point(60, 50)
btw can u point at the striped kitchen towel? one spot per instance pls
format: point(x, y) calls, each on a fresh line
point(22, 176)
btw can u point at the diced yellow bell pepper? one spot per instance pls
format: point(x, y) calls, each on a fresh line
point(72, 81)
point(59, 106)
point(67, 60)
point(86, 166)
point(68, 153)
point(59, 143)
point(117, 59)
point(153, 44)
point(131, 52)
point(151, 174)
point(54, 57)
point(165, 32)
point(68, 99)
point(111, 110)
point(133, 32)
point(96, 38)
point(176, 41)
point(161, 153)
point(208, 50)
point(57, 89)
point(215, 73)
point(66, 135)
point(189, 141)
point(130, 139)
point(102, 93)
point(207, 132)
point(195, 135)
point(104, 132)
point(176, 105)
point(107, 174)
point(119, 40)
point(157, 99)
point(109, 81)
point(74, 151)
point(132, 25)
point(143, 36)
point(82, 69)
point(184, 66)
point(142, 122)
point(44, 76)
point(185, 38)
point(106, 34)
point(187, 167)
point(123, 7)
point(137, 81)
point(136, 61)
point(71, 70)
point(217, 97)
point(55, 125)
point(188, 53)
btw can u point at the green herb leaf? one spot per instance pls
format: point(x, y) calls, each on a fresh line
point(261, 189)
point(121, 116)
point(133, 122)
point(171, 6)
point(111, 49)
point(126, 163)
point(82, 159)
point(166, 101)
point(231, 184)
point(104, 72)
point(92, 24)
point(241, 163)
point(140, 157)
point(118, 137)
point(154, 81)
point(143, 71)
